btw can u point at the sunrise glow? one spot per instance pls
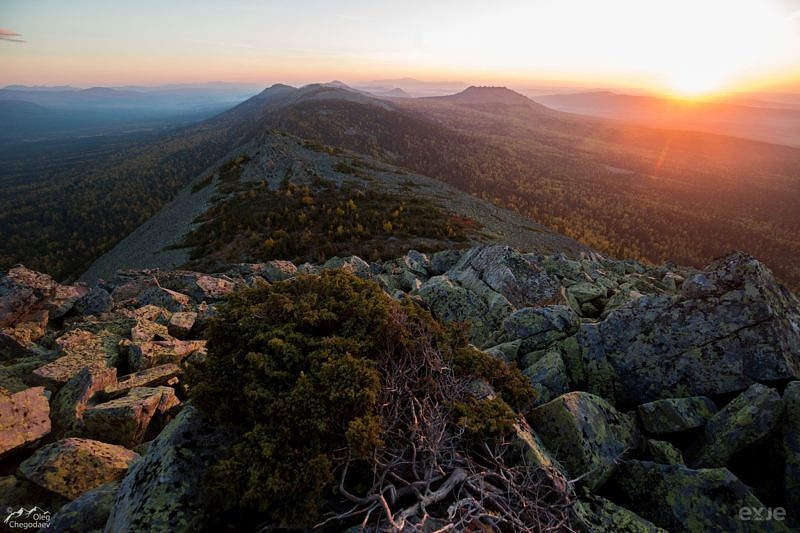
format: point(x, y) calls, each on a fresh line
point(683, 47)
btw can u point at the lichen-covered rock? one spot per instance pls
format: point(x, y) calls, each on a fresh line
point(20, 290)
point(71, 400)
point(586, 292)
point(586, 433)
point(486, 285)
point(163, 491)
point(449, 302)
point(278, 270)
point(88, 513)
point(748, 418)
point(532, 453)
point(147, 330)
point(73, 466)
point(96, 302)
point(791, 449)
point(154, 353)
point(353, 264)
point(199, 287)
point(16, 376)
point(80, 349)
point(126, 420)
point(731, 326)
point(181, 324)
point(676, 414)
point(596, 514)
point(508, 273)
point(539, 327)
point(166, 298)
point(28, 329)
point(152, 313)
point(150, 377)
point(664, 452)
point(548, 376)
point(678, 498)
point(441, 262)
point(16, 492)
point(24, 418)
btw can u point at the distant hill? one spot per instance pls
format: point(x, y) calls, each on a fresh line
point(489, 95)
point(776, 124)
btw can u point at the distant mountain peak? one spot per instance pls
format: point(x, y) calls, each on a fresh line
point(489, 95)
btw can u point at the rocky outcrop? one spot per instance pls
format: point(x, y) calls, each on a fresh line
point(126, 420)
point(79, 349)
point(676, 414)
point(588, 434)
point(153, 353)
point(681, 499)
point(24, 418)
point(731, 326)
point(163, 491)
point(73, 466)
point(791, 449)
point(88, 513)
point(748, 418)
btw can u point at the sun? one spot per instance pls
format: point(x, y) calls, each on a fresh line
point(695, 84)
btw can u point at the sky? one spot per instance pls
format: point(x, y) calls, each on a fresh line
point(670, 46)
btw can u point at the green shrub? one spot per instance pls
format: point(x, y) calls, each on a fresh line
point(296, 368)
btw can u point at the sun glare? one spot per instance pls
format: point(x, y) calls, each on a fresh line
point(689, 84)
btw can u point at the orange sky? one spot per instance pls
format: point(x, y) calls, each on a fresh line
point(676, 47)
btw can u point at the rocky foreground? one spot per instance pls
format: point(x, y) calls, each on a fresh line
point(668, 397)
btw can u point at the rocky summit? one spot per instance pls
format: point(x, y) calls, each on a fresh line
point(666, 398)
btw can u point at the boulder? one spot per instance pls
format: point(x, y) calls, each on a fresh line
point(507, 272)
point(29, 328)
point(273, 271)
point(199, 287)
point(163, 492)
point(152, 313)
point(70, 467)
point(80, 349)
point(16, 492)
point(147, 330)
point(664, 452)
point(539, 327)
point(730, 326)
point(449, 301)
point(126, 420)
point(181, 324)
point(154, 353)
point(678, 498)
point(532, 453)
point(747, 419)
point(24, 418)
point(791, 448)
point(96, 302)
point(441, 262)
point(20, 290)
point(150, 377)
point(676, 414)
point(586, 433)
point(166, 298)
point(88, 513)
point(586, 292)
point(71, 400)
point(595, 514)
point(353, 264)
point(548, 376)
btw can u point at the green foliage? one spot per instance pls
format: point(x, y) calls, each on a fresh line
point(294, 368)
point(627, 191)
point(507, 380)
point(484, 420)
point(319, 221)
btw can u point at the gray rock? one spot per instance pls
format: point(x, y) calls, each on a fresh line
point(163, 491)
point(597, 514)
point(791, 448)
point(678, 498)
point(586, 434)
point(718, 336)
point(127, 420)
point(664, 452)
point(747, 419)
point(24, 418)
point(676, 414)
point(539, 327)
point(71, 400)
point(71, 467)
point(86, 514)
point(96, 302)
point(166, 298)
point(548, 377)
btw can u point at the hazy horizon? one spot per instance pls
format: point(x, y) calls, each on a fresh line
point(683, 48)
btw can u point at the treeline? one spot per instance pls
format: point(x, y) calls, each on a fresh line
point(317, 220)
point(629, 192)
point(66, 202)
